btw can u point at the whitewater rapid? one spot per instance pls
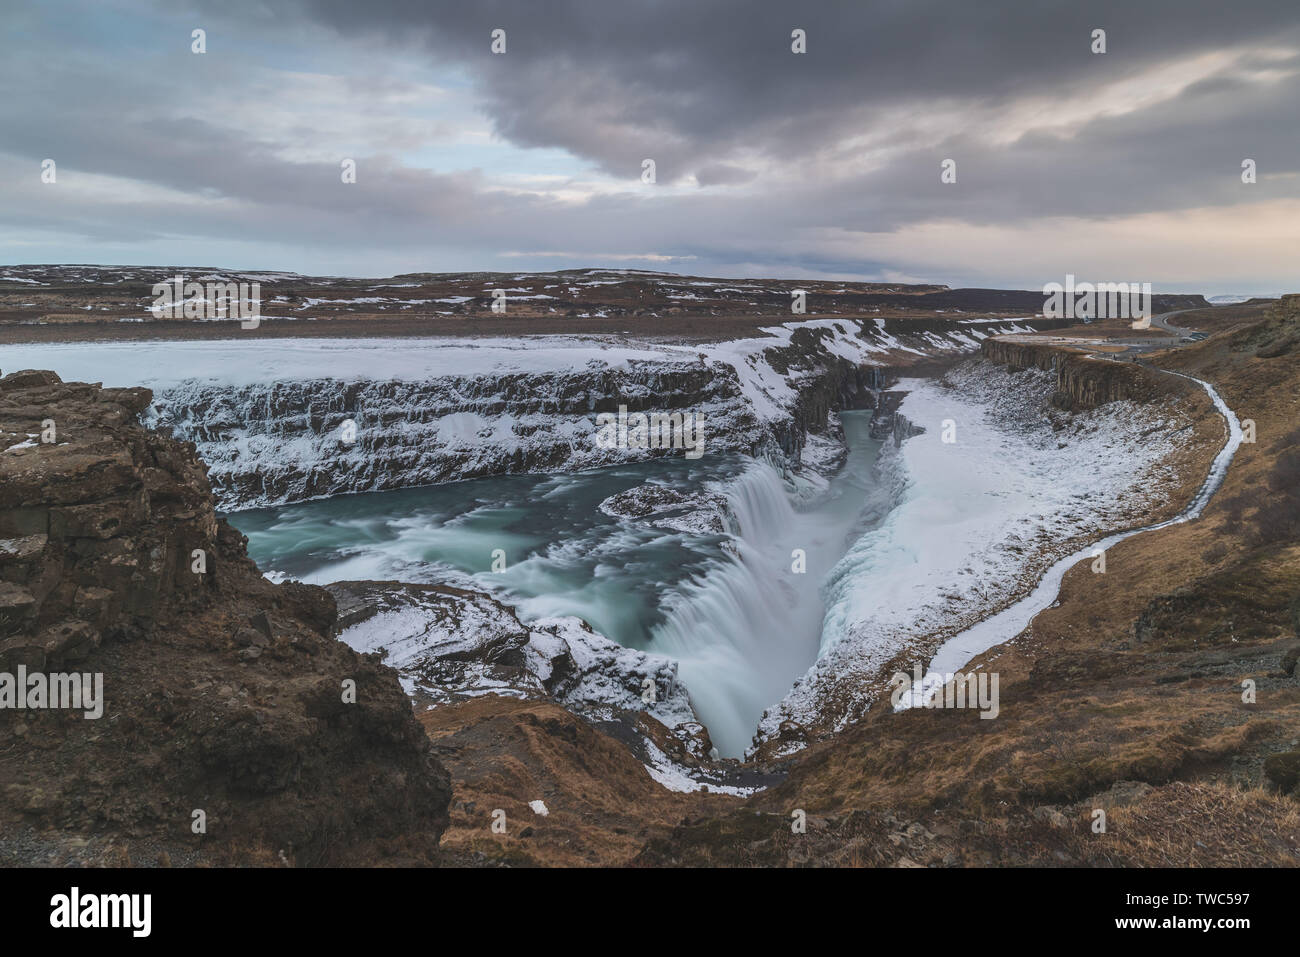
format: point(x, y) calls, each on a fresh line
point(737, 611)
point(750, 624)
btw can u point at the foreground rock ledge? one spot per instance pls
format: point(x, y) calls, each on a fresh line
point(223, 693)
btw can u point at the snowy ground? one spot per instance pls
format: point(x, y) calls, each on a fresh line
point(977, 520)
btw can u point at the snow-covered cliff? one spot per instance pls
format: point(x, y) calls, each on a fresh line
point(282, 421)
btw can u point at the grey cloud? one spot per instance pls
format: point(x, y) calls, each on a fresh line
point(704, 89)
point(722, 174)
point(688, 82)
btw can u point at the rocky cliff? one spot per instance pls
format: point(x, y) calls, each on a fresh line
point(286, 441)
point(234, 725)
point(1082, 381)
point(308, 431)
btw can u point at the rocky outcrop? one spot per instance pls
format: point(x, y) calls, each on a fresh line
point(572, 793)
point(455, 645)
point(700, 512)
point(1278, 335)
point(449, 644)
point(1082, 381)
point(234, 725)
point(827, 383)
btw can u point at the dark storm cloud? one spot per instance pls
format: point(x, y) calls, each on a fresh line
point(686, 81)
point(706, 89)
point(785, 148)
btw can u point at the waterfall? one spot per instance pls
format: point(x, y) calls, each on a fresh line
point(747, 626)
point(758, 504)
point(297, 440)
point(750, 624)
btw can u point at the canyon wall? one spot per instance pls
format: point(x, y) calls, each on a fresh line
point(1082, 381)
point(269, 444)
point(303, 435)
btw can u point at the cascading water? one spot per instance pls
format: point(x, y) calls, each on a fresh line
point(746, 626)
point(749, 626)
point(731, 609)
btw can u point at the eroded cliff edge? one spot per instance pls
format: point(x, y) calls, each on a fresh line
point(333, 419)
point(222, 693)
point(1083, 381)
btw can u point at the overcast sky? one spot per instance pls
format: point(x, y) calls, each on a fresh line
point(1119, 166)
